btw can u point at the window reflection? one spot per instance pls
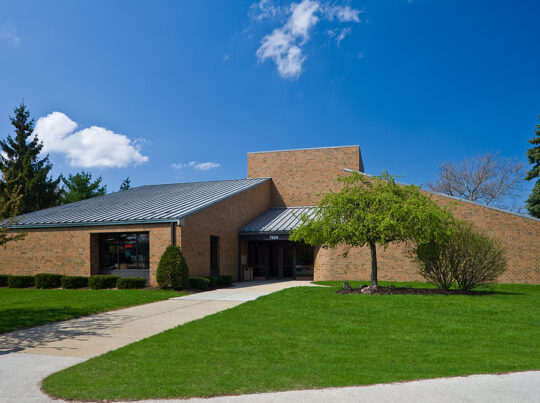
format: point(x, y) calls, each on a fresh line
point(124, 251)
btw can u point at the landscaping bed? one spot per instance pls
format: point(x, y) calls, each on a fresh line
point(312, 337)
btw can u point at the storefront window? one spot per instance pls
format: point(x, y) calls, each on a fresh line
point(124, 251)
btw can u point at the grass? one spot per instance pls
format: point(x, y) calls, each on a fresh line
point(23, 308)
point(310, 337)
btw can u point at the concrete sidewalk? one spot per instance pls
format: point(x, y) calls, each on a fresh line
point(27, 356)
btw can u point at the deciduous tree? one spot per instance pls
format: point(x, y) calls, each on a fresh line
point(373, 211)
point(8, 213)
point(488, 179)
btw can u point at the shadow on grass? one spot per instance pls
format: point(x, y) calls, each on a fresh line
point(39, 336)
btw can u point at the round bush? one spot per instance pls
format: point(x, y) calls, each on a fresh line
point(20, 281)
point(74, 282)
point(199, 283)
point(468, 258)
point(131, 283)
point(172, 271)
point(48, 280)
point(102, 282)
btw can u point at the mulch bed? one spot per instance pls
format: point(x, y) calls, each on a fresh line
point(402, 290)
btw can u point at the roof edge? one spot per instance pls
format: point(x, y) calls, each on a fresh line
point(95, 223)
point(462, 200)
point(302, 149)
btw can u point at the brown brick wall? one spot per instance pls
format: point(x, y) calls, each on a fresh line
point(223, 219)
point(520, 236)
point(73, 251)
point(299, 175)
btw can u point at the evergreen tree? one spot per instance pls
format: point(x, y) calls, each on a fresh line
point(22, 168)
point(80, 187)
point(533, 202)
point(126, 184)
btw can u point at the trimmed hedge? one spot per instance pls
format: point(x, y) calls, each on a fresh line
point(172, 271)
point(48, 280)
point(131, 283)
point(74, 282)
point(199, 283)
point(4, 280)
point(210, 283)
point(21, 281)
point(102, 282)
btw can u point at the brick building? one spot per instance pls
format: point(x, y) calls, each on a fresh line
point(237, 227)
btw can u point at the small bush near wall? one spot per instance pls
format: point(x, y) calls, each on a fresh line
point(102, 282)
point(469, 259)
point(20, 281)
point(226, 281)
point(130, 283)
point(199, 283)
point(172, 271)
point(74, 282)
point(4, 280)
point(47, 280)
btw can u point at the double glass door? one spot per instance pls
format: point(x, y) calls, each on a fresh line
point(272, 259)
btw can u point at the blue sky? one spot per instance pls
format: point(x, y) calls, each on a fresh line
point(154, 89)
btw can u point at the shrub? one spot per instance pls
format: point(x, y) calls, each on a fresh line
point(468, 258)
point(101, 282)
point(4, 280)
point(48, 280)
point(214, 282)
point(199, 283)
point(131, 283)
point(20, 281)
point(227, 281)
point(172, 271)
point(73, 282)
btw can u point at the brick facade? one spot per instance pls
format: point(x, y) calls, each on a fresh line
point(298, 176)
point(223, 219)
point(73, 251)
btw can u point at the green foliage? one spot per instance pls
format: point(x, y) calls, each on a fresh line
point(533, 154)
point(9, 208)
point(20, 281)
point(74, 282)
point(102, 282)
point(81, 187)
point(468, 258)
point(22, 169)
point(126, 184)
point(373, 211)
point(199, 283)
point(172, 271)
point(131, 283)
point(48, 280)
point(4, 280)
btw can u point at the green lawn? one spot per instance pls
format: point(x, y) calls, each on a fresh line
point(310, 337)
point(27, 307)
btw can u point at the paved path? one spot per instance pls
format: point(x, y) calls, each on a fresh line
point(27, 356)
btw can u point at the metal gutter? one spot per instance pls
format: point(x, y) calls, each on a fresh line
point(94, 224)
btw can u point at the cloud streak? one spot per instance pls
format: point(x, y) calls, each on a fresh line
point(284, 45)
point(93, 147)
point(200, 166)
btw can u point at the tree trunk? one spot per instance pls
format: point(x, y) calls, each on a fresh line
point(373, 265)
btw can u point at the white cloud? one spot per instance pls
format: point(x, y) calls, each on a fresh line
point(284, 45)
point(200, 166)
point(87, 148)
point(9, 32)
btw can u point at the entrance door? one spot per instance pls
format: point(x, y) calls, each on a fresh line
point(214, 256)
point(274, 261)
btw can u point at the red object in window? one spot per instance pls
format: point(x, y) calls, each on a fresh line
point(128, 246)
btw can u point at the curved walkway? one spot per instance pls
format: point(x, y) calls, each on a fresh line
point(27, 356)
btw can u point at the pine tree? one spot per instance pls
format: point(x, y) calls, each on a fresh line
point(22, 168)
point(126, 184)
point(533, 202)
point(80, 187)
